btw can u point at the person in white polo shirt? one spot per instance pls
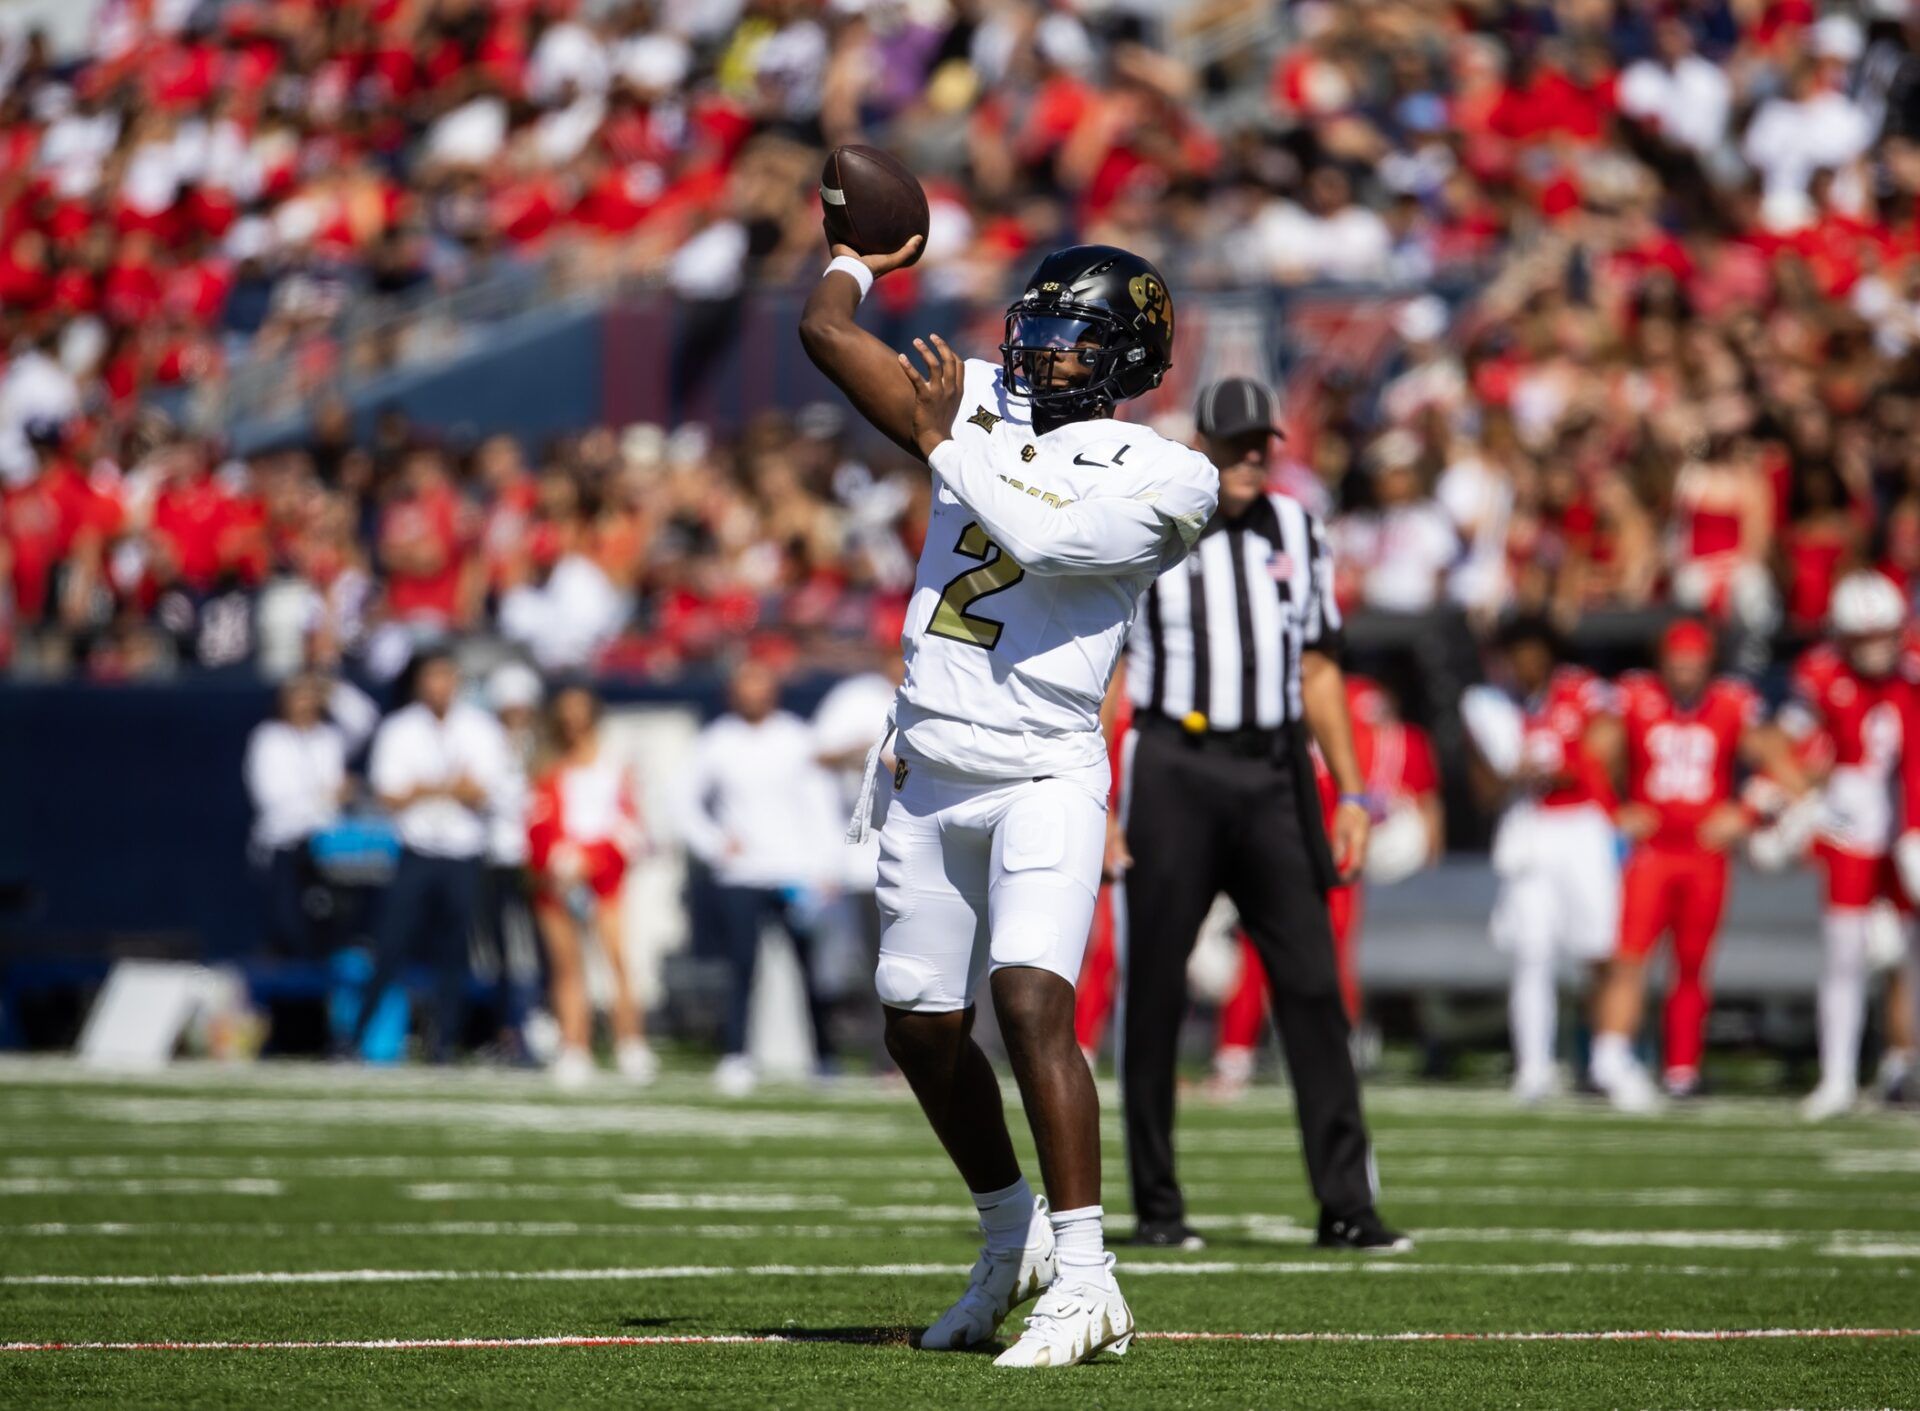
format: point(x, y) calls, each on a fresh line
point(436, 767)
point(761, 813)
point(296, 775)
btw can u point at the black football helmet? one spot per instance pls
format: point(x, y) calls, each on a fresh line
point(1109, 308)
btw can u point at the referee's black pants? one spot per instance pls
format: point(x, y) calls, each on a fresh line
point(1198, 824)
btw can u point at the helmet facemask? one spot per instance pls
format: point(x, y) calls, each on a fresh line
point(1070, 361)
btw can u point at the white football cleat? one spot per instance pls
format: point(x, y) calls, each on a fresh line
point(1073, 1322)
point(572, 1069)
point(1627, 1087)
point(637, 1062)
point(1827, 1100)
point(1534, 1085)
point(1000, 1284)
point(735, 1076)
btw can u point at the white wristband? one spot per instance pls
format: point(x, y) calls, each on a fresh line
point(847, 264)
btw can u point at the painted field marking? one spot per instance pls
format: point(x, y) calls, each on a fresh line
point(638, 1166)
point(162, 1185)
point(1131, 1268)
point(1876, 1249)
point(1733, 1197)
point(41, 1078)
point(1279, 1229)
point(468, 1229)
point(772, 1339)
point(712, 1122)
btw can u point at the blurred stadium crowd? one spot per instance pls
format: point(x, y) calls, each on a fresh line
point(1686, 371)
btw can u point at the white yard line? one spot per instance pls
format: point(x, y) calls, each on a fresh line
point(1281, 1229)
point(1873, 1163)
point(165, 1185)
point(1875, 1249)
point(770, 1201)
point(653, 1119)
point(638, 1165)
point(1657, 1197)
point(473, 1229)
point(22, 1077)
point(776, 1339)
point(1131, 1268)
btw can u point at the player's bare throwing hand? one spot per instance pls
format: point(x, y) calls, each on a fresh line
point(1049, 519)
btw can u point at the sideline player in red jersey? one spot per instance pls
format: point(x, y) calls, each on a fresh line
point(1403, 794)
point(1541, 754)
point(1683, 730)
point(1857, 690)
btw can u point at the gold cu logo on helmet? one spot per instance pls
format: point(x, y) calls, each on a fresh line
point(1151, 297)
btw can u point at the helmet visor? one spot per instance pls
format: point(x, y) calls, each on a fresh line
point(1052, 352)
point(1035, 332)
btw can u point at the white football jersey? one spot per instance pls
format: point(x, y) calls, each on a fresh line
point(1037, 552)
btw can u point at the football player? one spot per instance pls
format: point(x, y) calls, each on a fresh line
point(1541, 754)
point(1049, 519)
point(1683, 729)
point(1856, 689)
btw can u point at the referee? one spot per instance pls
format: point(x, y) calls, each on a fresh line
point(1231, 650)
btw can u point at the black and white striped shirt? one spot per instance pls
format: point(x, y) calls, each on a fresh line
point(1221, 633)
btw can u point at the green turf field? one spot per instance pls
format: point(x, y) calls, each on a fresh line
point(325, 1205)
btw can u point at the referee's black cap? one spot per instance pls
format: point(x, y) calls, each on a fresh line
point(1234, 406)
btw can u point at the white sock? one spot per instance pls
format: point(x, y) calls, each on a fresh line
point(1843, 996)
point(1612, 1054)
point(1533, 1005)
point(1080, 1242)
point(1006, 1215)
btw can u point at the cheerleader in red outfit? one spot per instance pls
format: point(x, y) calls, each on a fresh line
point(583, 829)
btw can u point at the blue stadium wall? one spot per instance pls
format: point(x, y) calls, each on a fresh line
point(124, 818)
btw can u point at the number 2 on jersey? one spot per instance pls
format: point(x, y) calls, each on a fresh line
point(996, 573)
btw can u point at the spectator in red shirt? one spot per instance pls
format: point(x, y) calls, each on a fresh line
point(191, 516)
point(424, 547)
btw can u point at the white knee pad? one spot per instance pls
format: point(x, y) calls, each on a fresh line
point(908, 982)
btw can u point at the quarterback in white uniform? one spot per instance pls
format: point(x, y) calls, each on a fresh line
point(1049, 520)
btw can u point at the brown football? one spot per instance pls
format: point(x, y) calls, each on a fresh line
point(872, 202)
